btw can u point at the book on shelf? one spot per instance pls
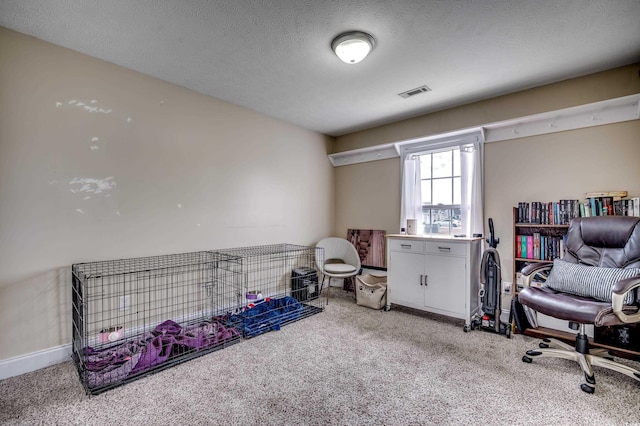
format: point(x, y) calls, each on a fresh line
point(612, 203)
point(548, 213)
point(593, 204)
point(619, 206)
point(607, 206)
point(628, 207)
point(562, 211)
point(614, 194)
point(585, 209)
point(539, 279)
point(536, 245)
point(539, 246)
point(530, 247)
point(601, 206)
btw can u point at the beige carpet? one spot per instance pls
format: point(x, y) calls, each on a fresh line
point(346, 366)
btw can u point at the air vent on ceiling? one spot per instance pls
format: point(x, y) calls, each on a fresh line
point(413, 92)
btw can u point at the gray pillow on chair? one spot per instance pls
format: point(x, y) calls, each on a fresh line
point(589, 281)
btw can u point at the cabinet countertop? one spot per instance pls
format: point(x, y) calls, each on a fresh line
point(427, 237)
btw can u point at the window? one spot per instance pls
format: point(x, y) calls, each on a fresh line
point(440, 188)
point(442, 183)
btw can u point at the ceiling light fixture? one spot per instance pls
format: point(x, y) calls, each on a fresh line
point(353, 46)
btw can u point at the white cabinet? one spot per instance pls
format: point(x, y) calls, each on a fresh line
point(440, 275)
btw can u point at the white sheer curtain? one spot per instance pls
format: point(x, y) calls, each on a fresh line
point(471, 158)
point(411, 198)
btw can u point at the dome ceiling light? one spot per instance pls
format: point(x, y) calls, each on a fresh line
point(353, 46)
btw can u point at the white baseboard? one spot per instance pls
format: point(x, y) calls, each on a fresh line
point(34, 361)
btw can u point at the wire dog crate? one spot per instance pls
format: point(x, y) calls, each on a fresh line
point(132, 317)
point(278, 284)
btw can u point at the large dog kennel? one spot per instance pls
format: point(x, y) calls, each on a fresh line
point(132, 317)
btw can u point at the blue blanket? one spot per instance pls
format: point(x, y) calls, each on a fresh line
point(268, 315)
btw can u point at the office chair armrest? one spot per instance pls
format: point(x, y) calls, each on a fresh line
point(619, 291)
point(529, 271)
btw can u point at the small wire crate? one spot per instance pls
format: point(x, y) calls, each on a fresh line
point(132, 317)
point(278, 284)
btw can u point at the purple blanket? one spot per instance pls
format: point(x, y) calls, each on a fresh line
point(168, 340)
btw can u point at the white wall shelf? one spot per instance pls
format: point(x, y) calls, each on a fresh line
point(615, 110)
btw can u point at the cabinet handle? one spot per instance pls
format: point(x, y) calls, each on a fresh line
point(405, 246)
point(444, 248)
point(426, 279)
point(421, 279)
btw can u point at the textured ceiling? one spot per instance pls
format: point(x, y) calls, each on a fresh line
point(274, 56)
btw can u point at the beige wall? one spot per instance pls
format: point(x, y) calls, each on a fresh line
point(610, 84)
point(541, 168)
point(142, 168)
point(368, 196)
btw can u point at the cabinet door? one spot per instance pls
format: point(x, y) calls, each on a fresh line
point(445, 284)
point(404, 279)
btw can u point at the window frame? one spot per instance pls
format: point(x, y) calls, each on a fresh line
point(453, 210)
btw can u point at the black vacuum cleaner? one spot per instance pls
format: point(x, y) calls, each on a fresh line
point(491, 292)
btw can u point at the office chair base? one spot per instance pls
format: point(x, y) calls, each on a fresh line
point(587, 389)
point(553, 348)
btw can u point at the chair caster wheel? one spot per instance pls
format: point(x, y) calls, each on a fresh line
point(543, 346)
point(526, 359)
point(587, 389)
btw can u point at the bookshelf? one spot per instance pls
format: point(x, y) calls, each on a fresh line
point(550, 242)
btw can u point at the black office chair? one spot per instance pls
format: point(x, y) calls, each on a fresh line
point(595, 284)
